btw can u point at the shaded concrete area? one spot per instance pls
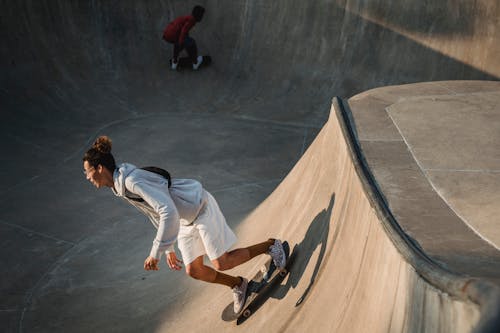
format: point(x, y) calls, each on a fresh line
point(459, 29)
point(72, 256)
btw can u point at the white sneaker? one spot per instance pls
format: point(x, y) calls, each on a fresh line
point(277, 252)
point(240, 295)
point(199, 60)
point(174, 64)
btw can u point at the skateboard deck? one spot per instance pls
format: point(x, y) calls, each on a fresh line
point(185, 62)
point(258, 288)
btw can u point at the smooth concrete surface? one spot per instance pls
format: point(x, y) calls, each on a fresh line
point(351, 269)
point(444, 26)
point(433, 152)
point(72, 256)
point(454, 139)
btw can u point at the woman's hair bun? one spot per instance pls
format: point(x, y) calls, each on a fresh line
point(103, 144)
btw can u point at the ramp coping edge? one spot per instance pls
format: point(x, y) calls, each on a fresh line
point(479, 291)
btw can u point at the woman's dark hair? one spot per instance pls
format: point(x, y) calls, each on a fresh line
point(198, 12)
point(100, 153)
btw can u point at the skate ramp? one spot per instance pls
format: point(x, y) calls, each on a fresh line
point(353, 269)
point(72, 256)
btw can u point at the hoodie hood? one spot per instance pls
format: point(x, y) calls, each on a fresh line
point(119, 176)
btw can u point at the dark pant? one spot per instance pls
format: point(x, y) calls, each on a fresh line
point(190, 46)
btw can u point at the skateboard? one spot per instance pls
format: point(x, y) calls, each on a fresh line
point(185, 62)
point(258, 288)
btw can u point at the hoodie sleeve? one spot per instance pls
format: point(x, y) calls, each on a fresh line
point(185, 29)
point(168, 226)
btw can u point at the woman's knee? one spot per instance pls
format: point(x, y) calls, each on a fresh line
point(218, 266)
point(192, 271)
point(221, 263)
point(195, 269)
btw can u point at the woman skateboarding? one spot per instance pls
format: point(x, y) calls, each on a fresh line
point(182, 210)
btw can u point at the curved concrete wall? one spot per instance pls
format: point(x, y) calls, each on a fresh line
point(75, 69)
point(353, 269)
point(282, 60)
point(69, 67)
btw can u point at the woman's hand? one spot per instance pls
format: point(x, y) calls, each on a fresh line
point(173, 262)
point(151, 264)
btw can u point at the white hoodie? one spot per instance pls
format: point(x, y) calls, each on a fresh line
point(166, 208)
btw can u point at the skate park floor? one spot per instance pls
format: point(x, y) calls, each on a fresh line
point(259, 130)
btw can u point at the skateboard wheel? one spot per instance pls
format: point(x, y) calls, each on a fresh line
point(247, 313)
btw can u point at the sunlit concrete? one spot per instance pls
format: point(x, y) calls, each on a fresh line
point(72, 256)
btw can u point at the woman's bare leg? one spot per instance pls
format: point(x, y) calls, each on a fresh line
point(239, 256)
point(198, 270)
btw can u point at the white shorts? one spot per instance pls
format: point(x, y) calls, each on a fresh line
point(209, 234)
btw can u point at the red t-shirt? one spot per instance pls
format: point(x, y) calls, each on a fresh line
point(178, 29)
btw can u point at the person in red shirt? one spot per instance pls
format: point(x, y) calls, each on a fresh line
point(177, 33)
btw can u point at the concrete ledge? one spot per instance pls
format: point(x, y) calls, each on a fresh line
point(481, 292)
point(434, 207)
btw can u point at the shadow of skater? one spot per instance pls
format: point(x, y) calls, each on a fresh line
point(316, 235)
